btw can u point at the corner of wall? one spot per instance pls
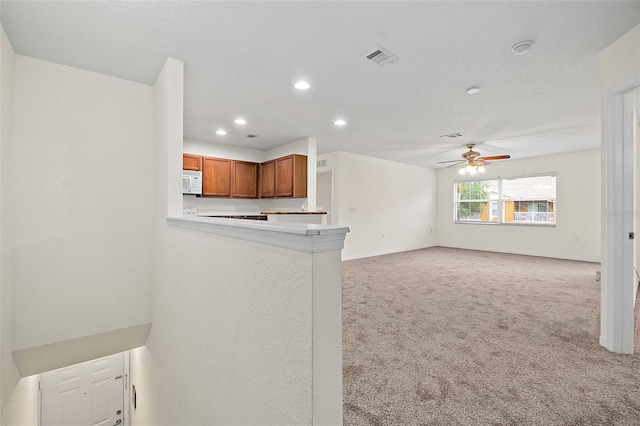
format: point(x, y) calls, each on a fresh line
point(169, 111)
point(18, 397)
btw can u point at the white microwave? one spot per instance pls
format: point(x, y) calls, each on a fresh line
point(191, 182)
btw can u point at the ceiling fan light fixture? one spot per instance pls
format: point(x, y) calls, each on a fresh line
point(473, 161)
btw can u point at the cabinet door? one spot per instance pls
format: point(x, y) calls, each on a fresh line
point(291, 176)
point(299, 176)
point(192, 162)
point(245, 180)
point(268, 179)
point(284, 176)
point(216, 177)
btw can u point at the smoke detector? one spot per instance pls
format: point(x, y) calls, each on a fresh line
point(381, 56)
point(452, 135)
point(522, 47)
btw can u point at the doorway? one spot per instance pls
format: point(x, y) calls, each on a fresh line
point(92, 393)
point(324, 193)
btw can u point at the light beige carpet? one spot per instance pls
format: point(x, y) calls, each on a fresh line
point(457, 337)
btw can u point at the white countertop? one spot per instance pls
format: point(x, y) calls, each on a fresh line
point(306, 237)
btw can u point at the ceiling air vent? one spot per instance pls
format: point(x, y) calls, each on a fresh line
point(452, 135)
point(251, 135)
point(321, 163)
point(381, 56)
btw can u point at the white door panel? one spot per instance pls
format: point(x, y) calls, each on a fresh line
point(86, 394)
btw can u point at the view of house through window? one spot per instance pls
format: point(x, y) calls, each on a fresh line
point(523, 200)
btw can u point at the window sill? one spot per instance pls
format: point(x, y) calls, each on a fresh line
point(534, 225)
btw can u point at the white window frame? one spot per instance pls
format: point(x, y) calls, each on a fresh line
point(500, 201)
point(456, 201)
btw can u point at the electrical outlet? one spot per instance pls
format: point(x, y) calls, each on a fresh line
point(190, 212)
point(352, 209)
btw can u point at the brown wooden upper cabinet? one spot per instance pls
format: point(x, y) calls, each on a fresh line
point(291, 176)
point(284, 177)
point(191, 162)
point(216, 177)
point(268, 179)
point(244, 182)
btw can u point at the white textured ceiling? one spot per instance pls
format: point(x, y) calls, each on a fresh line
point(242, 58)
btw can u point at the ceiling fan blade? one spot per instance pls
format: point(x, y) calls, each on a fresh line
point(495, 157)
point(451, 161)
point(456, 164)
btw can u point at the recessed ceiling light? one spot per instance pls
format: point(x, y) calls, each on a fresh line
point(473, 89)
point(221, 132)
point(240, 121)
point(340, 122)
point(302, 85)
point(522, 47)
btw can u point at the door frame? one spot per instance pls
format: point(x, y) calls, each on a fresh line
point(331, 170)
point(125, 394)
point(618, 309)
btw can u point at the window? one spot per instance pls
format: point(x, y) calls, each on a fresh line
point(474, 200)
point(527, 200)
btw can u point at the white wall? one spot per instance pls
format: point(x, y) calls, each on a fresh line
point(577, 231)
point(306, 146)
point(231, 341)
point(18, 397)
point(324, 193)
point(211, 149)
point(388, 206)
point(80, 221)
point(8, 372)
point(231, 335)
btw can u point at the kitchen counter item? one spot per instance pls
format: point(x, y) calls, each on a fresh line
point(285, 212)
point(241, 216)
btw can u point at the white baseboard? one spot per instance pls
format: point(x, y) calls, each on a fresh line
point(525, 253)
point(382, 253)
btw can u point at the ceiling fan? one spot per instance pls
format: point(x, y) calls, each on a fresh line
point(474, 162)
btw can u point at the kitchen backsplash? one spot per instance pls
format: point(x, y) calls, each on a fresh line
point(240, 205)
